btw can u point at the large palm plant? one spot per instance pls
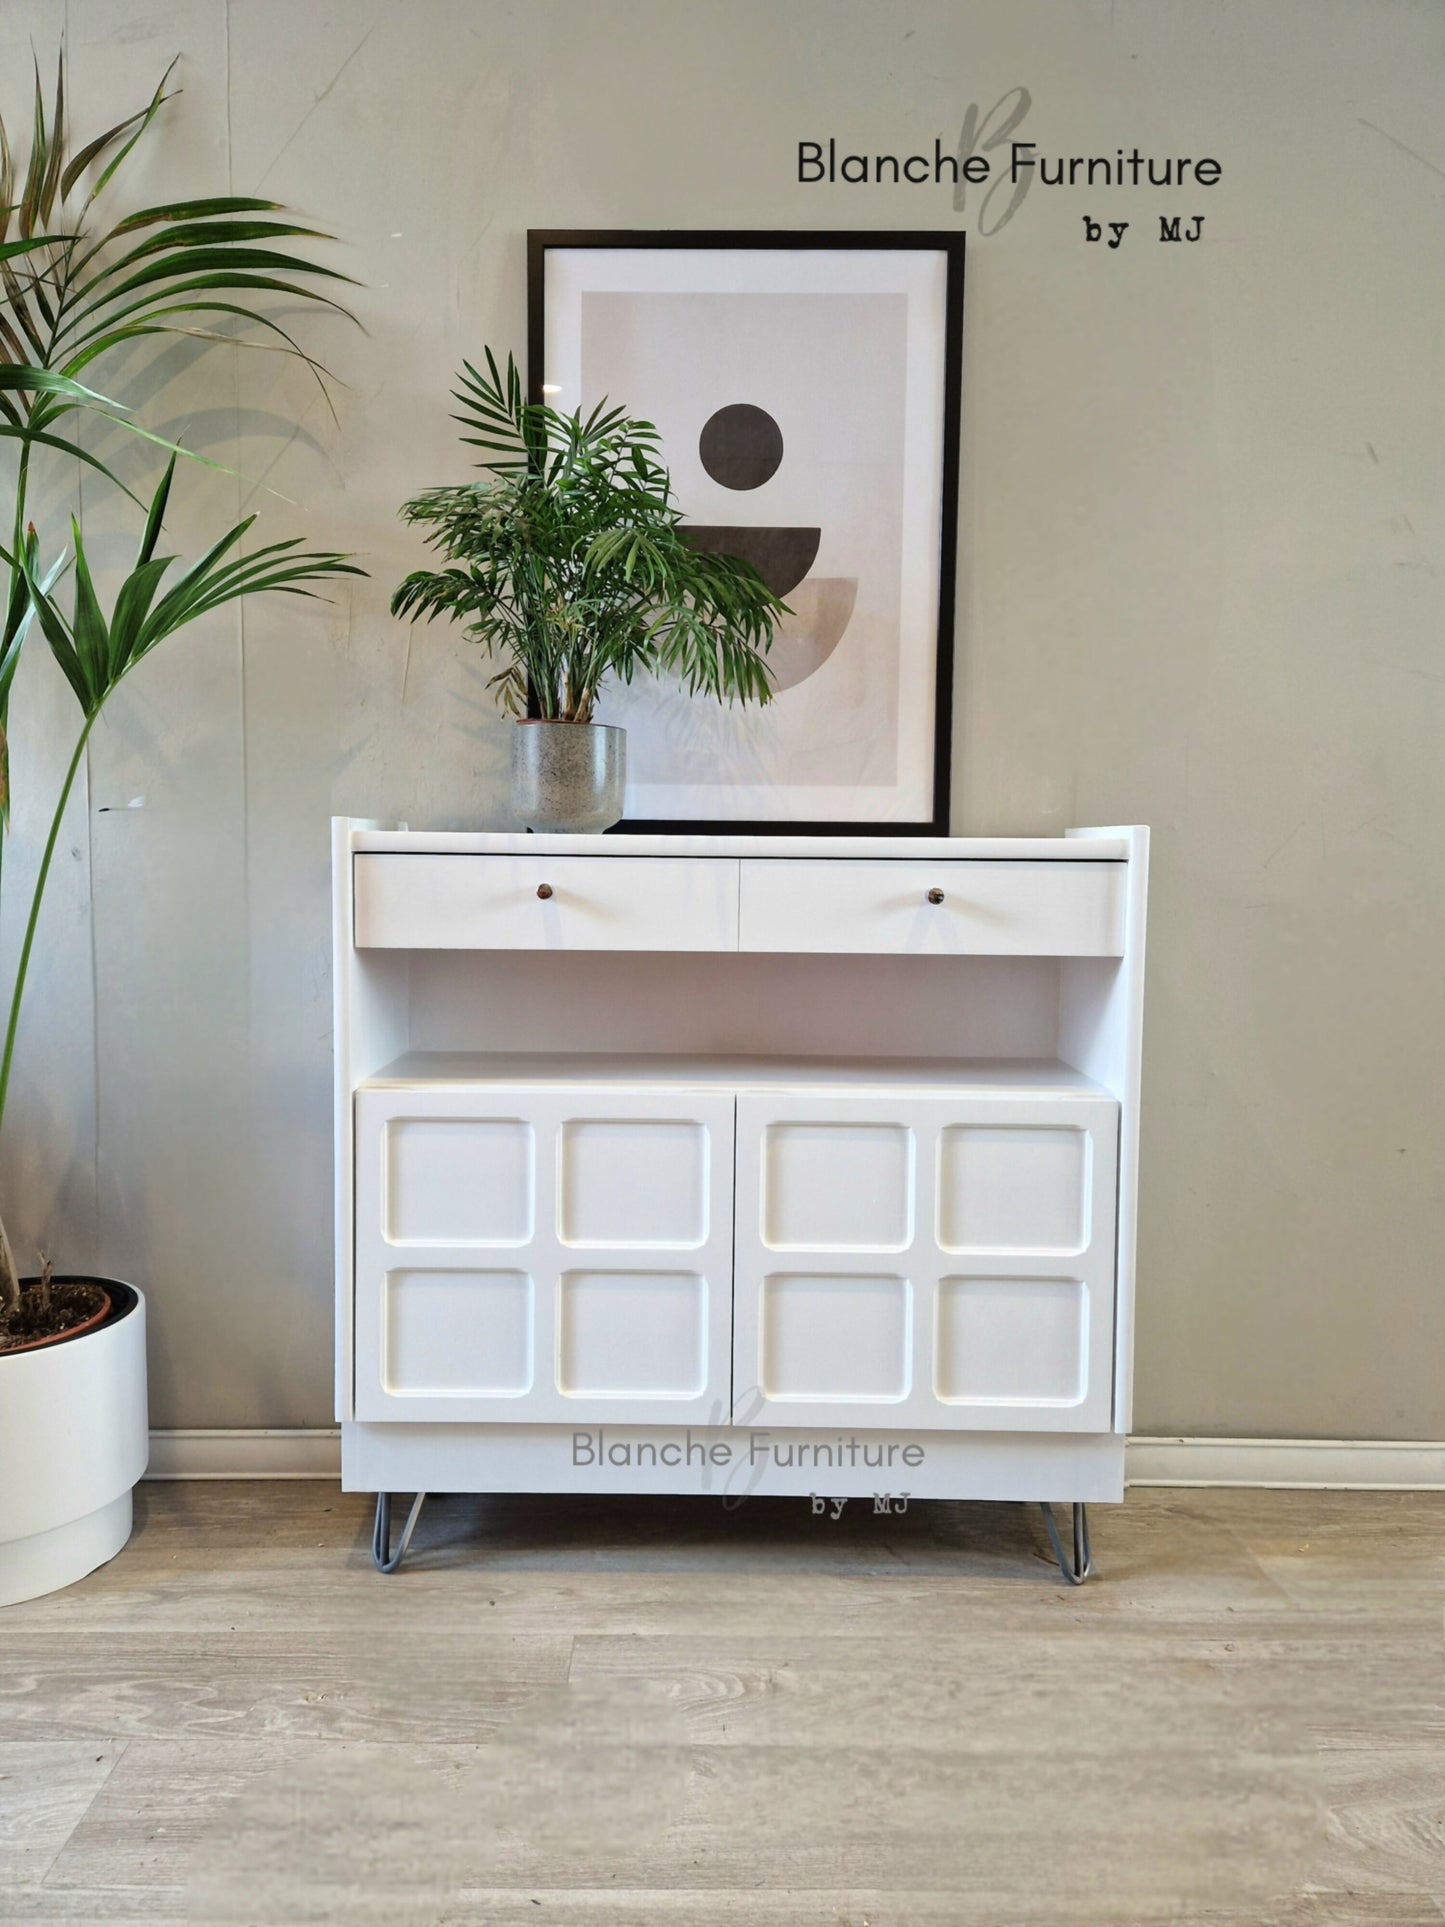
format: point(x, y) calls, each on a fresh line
point(75, 287)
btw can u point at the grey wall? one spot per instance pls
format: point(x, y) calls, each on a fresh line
point(1201, 535)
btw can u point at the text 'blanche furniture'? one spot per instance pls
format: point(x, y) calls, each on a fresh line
point(737, 1164)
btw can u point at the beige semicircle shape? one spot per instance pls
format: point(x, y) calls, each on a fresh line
point(822, 608)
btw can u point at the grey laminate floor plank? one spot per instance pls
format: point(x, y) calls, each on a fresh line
point(954, 1694)
point(433, 1685)
point(283, 1821)
point(78, 1907)
point(663, 1715)
point(613, 1907)
point(45, 1789)
point(1088, 1689)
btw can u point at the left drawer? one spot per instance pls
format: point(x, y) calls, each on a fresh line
point(406, 902)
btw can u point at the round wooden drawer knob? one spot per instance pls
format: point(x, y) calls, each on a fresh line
point(935, 896)
point(544, 890)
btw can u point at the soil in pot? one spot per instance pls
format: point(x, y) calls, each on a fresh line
point(51, 1310)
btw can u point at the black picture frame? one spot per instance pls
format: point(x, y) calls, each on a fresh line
point(540, 241)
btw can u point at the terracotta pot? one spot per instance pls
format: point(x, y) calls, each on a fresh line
point(97, 1317)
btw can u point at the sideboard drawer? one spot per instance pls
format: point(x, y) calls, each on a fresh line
point(545, 903)
point(1043, 909)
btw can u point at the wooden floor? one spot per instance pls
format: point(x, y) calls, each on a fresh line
point(656, 1712)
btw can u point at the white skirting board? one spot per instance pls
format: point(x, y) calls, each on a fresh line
point(1338, 1464)
point(296, 1453)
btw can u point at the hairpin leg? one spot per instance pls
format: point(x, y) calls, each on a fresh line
point(382, 1556)
point(1077, 1570)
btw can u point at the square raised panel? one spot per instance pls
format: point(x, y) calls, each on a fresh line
point(837, 1187)
point(633, 1181)
point(624, 1334)
point(1013, 1188)
point(459, 1181)
point(835, 1337)
point(457, 1334)
point(1011, 1341)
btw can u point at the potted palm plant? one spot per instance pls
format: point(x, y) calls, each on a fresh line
point(570, 563)
point(73, 1419)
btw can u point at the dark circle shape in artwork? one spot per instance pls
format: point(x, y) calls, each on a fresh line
point(741, 446)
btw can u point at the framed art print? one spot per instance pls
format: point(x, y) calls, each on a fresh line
point(806, 388)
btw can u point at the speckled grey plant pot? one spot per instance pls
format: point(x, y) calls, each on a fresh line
point(568, 776)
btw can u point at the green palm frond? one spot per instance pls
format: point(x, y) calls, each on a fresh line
point(18, 614)
point(73, 288)
point(96, 651)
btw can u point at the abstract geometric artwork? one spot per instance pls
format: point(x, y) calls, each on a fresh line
point(806, 391)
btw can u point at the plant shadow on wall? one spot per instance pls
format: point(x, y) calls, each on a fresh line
point(78, 288)
point(569, 564)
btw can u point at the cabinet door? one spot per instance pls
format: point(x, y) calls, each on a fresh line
point(912, 1259)
point(544, 1254)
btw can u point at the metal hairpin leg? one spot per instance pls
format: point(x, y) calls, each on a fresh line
point(1082, 1564)
point(382, 1556)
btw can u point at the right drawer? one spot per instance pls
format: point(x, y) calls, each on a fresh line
point(1029, 909)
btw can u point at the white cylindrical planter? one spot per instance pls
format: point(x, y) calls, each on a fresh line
point(74, 1439)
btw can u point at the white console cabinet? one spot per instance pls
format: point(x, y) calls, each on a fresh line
point(737, 1164)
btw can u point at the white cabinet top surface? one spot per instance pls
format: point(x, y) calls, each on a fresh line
point(1086, 846)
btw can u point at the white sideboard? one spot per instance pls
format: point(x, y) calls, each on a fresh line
point(737, 1164)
